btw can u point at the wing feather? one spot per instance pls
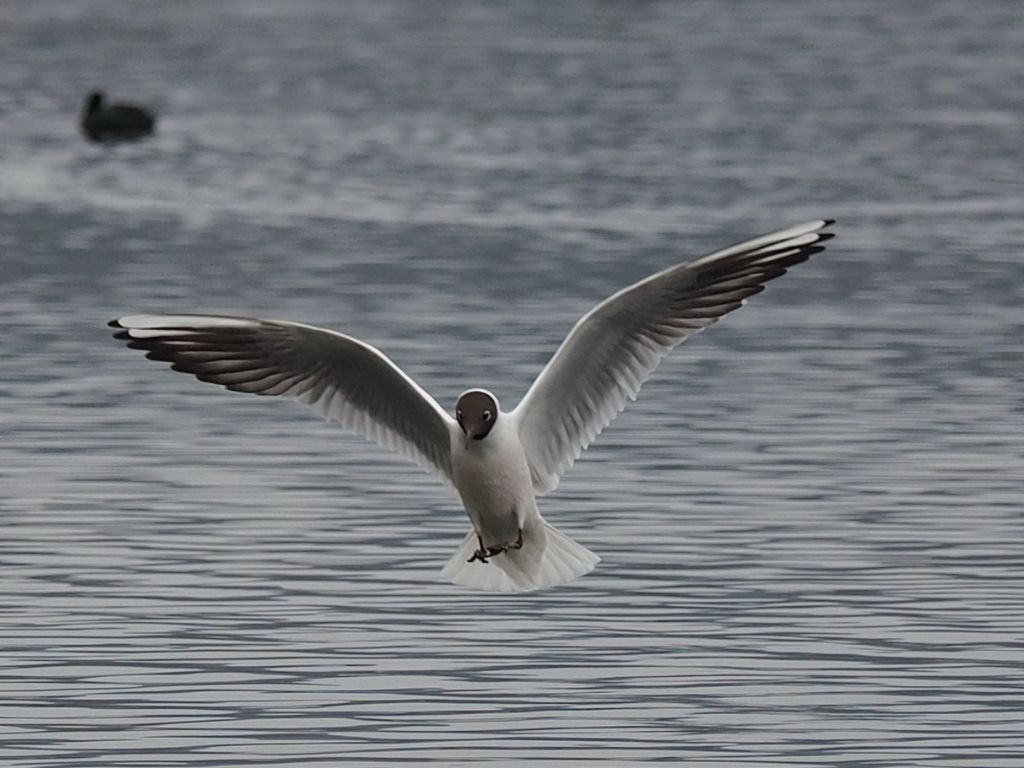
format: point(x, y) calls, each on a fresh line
point(342, 378)
point(614, 348)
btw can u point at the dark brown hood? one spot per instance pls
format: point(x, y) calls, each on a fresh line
point(476, 411)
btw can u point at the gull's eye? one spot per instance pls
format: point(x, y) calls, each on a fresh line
point(487, 415)
point(458, 415)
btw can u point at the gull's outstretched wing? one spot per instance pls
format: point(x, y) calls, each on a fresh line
point(614, 348)
point(342, 378)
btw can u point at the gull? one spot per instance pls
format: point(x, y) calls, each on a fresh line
point(497, 461)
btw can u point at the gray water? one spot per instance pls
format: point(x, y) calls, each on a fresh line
point(810, 523)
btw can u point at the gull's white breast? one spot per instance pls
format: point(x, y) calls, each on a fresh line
point(493, 478)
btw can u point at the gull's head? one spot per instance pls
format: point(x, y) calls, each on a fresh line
point(476, 411)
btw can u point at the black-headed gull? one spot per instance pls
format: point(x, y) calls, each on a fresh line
point(498, 461)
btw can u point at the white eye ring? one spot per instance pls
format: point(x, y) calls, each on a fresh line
point(487, 415)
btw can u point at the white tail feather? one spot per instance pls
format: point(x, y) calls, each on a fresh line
point(547, 558)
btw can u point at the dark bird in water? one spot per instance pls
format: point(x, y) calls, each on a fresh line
point(107, 123)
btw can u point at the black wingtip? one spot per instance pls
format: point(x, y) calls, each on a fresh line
point(823, 236)
point(829, 222)
point(115, 324)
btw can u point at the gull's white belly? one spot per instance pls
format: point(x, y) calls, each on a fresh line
point(493, 479)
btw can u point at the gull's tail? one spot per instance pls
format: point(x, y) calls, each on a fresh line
point(547, 558)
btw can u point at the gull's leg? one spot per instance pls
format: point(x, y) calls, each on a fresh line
point(482, 553)
point(517, 544)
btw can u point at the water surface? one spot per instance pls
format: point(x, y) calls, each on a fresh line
point(810, 523)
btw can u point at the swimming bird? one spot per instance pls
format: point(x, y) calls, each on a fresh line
point(498, 461)
point(108, 123)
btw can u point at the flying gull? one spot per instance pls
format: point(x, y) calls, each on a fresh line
point(498, 461)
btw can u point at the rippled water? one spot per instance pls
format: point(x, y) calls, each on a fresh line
point(810, 524)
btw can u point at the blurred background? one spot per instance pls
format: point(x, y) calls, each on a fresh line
point(810, 523)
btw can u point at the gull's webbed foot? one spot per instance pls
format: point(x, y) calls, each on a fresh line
point(481, 554)
point(484, 552)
